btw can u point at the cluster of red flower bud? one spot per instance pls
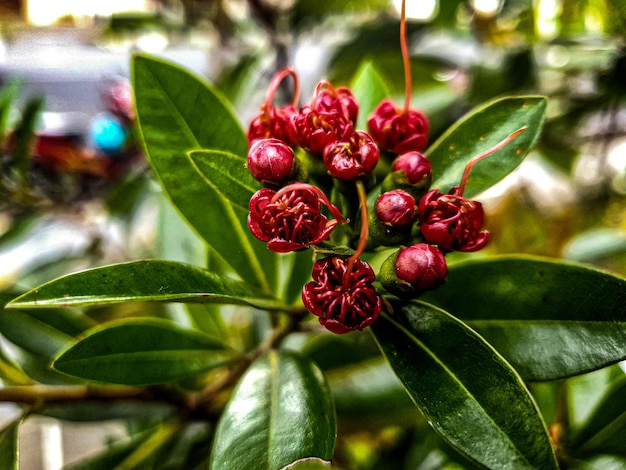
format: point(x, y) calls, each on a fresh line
point(291, 212)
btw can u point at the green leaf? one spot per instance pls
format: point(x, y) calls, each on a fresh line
point(605, 431)
point(368, 391)
point(178, 113)
point(153, 280)
point(298, 266)
point(227, 174)
point(468, 393)
point(280, 412)
point(41, 332)
point(8, 445)
point(549, 319)
point(136, 453)
point(480, 130)
point(142, 352)
point(7, 97)
point(104, 410)
point(370, 89)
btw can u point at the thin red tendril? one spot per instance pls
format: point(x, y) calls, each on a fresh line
point(405, 59)
point(360, 188)
point(321, 85)
point(275, 83)
point(484, 154)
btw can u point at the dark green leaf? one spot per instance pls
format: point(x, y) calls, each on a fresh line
point(154, 280)
point(298, 264)
point(227, 174)
point(280, 412)
point(369, 391)
point(480, 130)
point(548, 319)
point(336, 351)
point(178, 113)
point(370, 89)
point(94, 411)
point(142, 352)
point(8, 445)
point(468, 393)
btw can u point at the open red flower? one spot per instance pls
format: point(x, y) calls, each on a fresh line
point(351, 158)
point(396, 130)
point(290, 219)
point(452, 222)
point(342, 295)
point(314, 130)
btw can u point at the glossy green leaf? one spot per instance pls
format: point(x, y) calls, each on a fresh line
point(480, 130)
point(151, 280)
point(281, 411)
point(142, 352)
point(227, 174)
point(549, 319)
point(9, 445)
point(468, 393)
point(178, 113)
point(370, 89)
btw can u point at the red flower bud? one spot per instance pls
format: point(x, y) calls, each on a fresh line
point(342, 295)
point(271, 161)
point(413, 168)
point(414, 270)
point(352, 158)
point(397, 131)
point(272, 123)
point(423, 266)
point(315, 130)
point(290, 219)
point(452, 222)
point(396, 208)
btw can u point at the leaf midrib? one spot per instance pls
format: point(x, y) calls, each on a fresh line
point(461, 385)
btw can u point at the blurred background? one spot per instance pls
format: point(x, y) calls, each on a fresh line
point(76, 191)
